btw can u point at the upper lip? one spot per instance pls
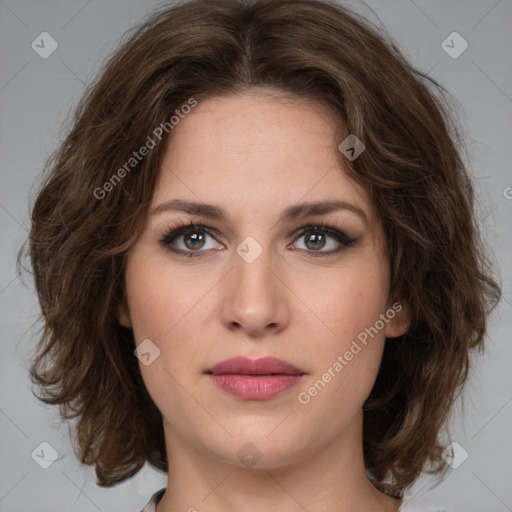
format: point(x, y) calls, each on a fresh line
point(261, 366)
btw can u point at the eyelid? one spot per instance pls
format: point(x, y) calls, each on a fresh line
point(328, 230)
point(179, 228)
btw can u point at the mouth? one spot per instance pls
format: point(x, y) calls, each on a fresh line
point(254, 379)
point(254, 367)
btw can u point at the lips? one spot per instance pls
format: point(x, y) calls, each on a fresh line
point(254, 379)
point(261, 366)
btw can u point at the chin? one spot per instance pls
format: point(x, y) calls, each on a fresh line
point(259, 450)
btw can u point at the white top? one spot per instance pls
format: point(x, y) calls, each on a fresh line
point(408, 505)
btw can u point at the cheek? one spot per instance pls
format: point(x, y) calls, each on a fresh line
point(344, 301)
point(160, 299)
point(161, 309)
point(350, 341)
point(165, 307)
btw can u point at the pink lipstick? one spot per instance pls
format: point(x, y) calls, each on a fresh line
point(254, 379)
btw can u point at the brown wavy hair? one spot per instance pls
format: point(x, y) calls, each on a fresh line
point(412, 167)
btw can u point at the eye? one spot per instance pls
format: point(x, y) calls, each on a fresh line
point(192, 237)
point(192, 240)
point(316, 238)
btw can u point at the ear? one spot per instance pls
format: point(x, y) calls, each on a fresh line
point(399, 315)
point(123, 313)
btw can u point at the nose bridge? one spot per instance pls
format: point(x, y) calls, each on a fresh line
point(253, 262)
point(256, 299)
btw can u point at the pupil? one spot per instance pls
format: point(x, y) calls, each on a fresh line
point(319, 237)
point(194, 237)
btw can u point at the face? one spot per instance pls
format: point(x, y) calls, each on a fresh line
point(310, 287)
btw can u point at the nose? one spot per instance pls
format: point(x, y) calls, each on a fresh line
point(255, 296)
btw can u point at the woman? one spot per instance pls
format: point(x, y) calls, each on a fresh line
point(257, 263)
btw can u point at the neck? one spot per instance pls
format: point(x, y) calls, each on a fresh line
point(331, 477)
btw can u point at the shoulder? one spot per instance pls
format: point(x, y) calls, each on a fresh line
point(152, 503)
point(410, 505)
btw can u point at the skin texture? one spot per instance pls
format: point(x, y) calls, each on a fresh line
point(254, 155)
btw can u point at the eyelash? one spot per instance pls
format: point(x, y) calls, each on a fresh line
point(181, 228)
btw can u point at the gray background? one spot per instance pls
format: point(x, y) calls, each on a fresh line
point(36, 95)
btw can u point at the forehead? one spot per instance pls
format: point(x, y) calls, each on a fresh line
point(254, 153)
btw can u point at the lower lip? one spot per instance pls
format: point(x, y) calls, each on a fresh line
point(250, 387)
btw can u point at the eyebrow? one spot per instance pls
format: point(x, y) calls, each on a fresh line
point(290, 214)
